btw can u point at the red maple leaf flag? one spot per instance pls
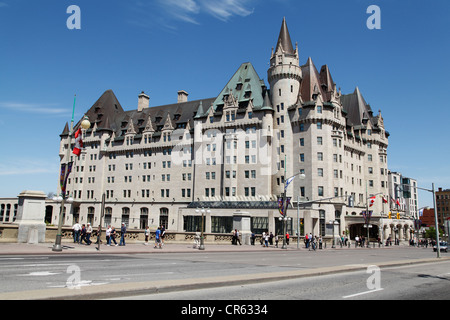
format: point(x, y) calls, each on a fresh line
point(384, 199)
point(372, 200)
point(78, 143)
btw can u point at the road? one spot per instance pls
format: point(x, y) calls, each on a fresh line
point(412, 282)
point(36, 276)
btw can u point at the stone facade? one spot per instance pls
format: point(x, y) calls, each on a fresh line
point(233, 153)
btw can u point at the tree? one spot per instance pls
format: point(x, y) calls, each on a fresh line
point(431, 233)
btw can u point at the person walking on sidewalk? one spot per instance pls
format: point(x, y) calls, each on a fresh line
point(108, 235)
point(113, 236)
point(158, 238)
point(88, 234)
point(163, 235)
point(147, 235)
point(76, 232)
point(237, 238)
point(123, 230)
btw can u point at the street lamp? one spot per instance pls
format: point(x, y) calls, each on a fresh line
point(284, 206)
point(202, 240)
point(436, 224)
point(61, 199)
point(85, 124)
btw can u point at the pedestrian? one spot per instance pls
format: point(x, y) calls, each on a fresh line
point(306, 241)
point(252, 239)
point(83, 234)
point(320, 242)
point(287, 238)
point(99, 232)
point(113, 235)
point(266, 240)
point(237, 238)
point(76, 232)
point(262, 238)
point(123, 230)
point(108, 236)
point(163, 235)
point(147, 234)
point(271, 239)
point(356, 241)
point(276, 241)
point(158, 238)
point(88, 234)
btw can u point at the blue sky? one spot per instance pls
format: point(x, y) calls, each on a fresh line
point(161, 47)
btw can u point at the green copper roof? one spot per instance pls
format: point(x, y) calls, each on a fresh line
point(245, 85)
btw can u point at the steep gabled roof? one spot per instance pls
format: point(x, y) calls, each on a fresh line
point(244, 81)
point(358, 111)
point(106, 108)
point(311, 85)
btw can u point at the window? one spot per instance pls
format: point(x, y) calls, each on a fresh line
point(320, 191)
point(319, 141)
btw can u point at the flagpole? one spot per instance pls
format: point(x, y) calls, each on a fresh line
point(57, 246)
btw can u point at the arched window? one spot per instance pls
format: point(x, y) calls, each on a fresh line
point(126, 216)
point(164, 217)
point(143, 218)
point(108, 217)
point(90, 217)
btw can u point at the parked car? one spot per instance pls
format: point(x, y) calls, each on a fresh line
point(442, 246)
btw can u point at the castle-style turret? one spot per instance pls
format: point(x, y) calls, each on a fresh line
point(284, 76)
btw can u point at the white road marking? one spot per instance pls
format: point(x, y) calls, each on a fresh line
point(361, 293)
point(38, 274)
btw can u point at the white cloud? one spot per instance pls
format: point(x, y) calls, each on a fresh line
point(225, 9)
point(33, 107)
point(189, 10)
point(26, 167)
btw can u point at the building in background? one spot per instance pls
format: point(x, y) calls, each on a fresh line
point(403, 195)
point(443, 205)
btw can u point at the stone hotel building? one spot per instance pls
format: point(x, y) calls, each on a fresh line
point(232, 154)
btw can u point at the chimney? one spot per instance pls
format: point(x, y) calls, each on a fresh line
point(182, 96)
point(143, 101)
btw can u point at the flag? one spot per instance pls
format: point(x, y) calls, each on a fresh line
point(372, 200)
point(384, 199)
point(78, 143)
point(280, 205)
point(65, 171)
point(288, 181)
point(397, 202)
